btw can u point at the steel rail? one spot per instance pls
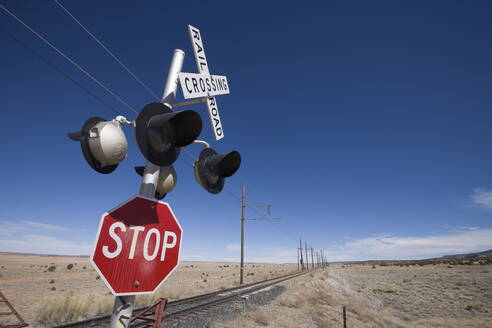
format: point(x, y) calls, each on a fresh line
point(94, 322)
point(176, 315)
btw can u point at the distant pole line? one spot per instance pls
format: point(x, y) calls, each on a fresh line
point(300, 251)
point(307, 259)
point(298, 263)
point(312, 258)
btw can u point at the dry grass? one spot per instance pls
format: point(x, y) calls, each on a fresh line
point(71, 307)
point(386, 289)
point(441, 322)
point(259, 317)
point(33, 288)
point(55, 311)
point(380, 297)
point(308, 301)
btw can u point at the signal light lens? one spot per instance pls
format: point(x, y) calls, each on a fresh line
point(160, 132)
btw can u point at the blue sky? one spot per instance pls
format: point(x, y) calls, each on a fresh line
point(366, 125)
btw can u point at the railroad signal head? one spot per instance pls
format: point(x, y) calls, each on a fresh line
point(166, 182)
point(160, 132)
point(103, 144)
point(211, 169)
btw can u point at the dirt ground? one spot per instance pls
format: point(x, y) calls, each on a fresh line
point(389, 296)
point(42, 287)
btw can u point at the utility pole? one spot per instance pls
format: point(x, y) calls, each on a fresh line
point(297, 258)
point(307, 258)
point(299, 250)
point(312, 258)
point(243, 199)
point(243, 208)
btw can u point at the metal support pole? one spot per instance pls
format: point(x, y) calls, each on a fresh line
point(307, 259)
point(243, 205)
point(123, 305)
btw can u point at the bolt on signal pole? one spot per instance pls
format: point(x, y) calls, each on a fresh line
point(123, 305)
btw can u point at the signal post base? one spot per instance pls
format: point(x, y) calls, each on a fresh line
point(155, 312)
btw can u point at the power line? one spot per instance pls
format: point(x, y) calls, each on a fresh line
point(107, 50)
point(88, 74)
point(69, 59)
point(119, 62)
point(59, 70)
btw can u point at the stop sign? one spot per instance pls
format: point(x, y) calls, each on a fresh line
point(137, 246)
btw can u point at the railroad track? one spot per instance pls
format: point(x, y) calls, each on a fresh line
point(180, 308)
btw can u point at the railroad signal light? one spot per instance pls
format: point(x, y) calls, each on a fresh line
point(160, 132)
point(211, 169)
point(166, 182)
point(103, 143)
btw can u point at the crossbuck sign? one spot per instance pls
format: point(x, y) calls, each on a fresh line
point(204, 84)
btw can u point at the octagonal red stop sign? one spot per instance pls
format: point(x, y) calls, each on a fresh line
point(137, 246)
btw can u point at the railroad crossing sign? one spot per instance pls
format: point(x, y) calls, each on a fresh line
point(201, 85)
point(202, 65)
point(137, 246)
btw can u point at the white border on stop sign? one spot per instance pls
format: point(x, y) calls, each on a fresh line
point(91, 259)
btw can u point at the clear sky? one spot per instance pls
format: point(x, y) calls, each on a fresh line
point(366, 124)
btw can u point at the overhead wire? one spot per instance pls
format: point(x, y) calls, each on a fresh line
point(92, 77)
point(59, 70)
point(107, 50)
point(69, 59)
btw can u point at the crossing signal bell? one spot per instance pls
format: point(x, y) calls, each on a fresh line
point(166, 182)
point(211, 169)
point(160, 132)
point(103, 144)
